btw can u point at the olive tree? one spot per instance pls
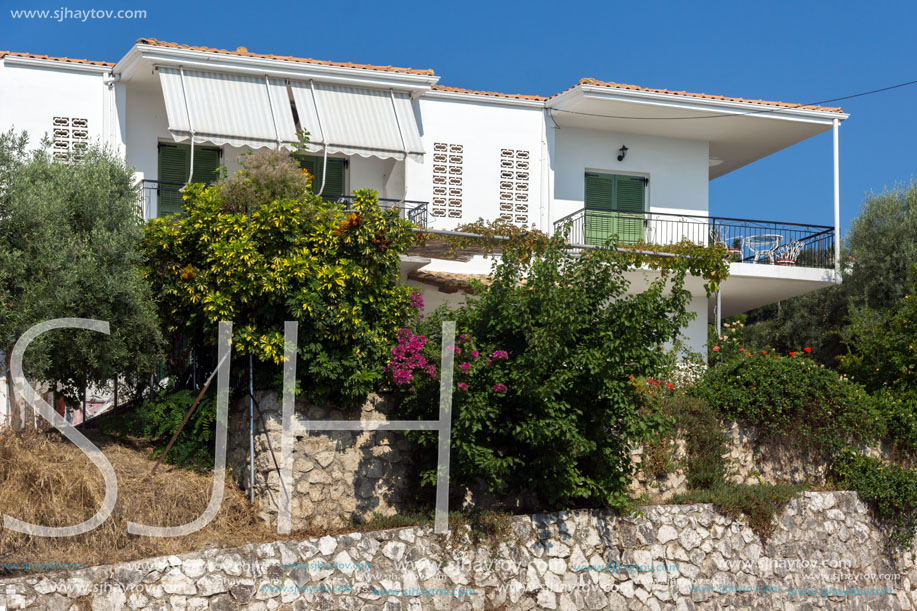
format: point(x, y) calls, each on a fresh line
point(69, 247)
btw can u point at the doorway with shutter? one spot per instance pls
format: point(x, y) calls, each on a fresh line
point(615, 205)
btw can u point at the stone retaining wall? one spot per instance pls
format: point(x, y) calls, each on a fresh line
point(751, 460)
point(669, 557)
point(341, 476)
point(338, 476)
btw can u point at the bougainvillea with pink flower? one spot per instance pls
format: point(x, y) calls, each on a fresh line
point(407, 360)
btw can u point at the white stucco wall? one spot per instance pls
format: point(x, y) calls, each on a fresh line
point(32, 95)
point(146, 126)
point(483, 128)
point(677, 169)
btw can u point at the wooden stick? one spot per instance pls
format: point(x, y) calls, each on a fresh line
point(187, 416)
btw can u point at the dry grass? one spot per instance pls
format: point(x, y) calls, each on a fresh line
point(45, 479)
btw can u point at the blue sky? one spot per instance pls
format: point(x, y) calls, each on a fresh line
point(791, 51)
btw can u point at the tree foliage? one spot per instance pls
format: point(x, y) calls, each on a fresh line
point(878, 255)
point(259, 249)
point(70, 233)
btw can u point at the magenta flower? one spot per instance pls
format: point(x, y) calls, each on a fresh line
point(464, 337)
point(475, 354)
point(463, 386)
point(465, 367)
point(457, 349)
point(498, 388)
point(407, 359)
point(500, 355)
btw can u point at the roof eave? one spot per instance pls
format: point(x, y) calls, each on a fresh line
point(479, 98)
point(239, 64)
point(691, 102)
point(55, 64)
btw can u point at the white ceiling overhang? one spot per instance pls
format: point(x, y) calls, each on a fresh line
point(739, 133)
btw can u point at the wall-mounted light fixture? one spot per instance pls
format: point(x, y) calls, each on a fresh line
point(623, 151)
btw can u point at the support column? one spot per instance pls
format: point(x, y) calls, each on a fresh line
point(837, 203)
point(719, 311)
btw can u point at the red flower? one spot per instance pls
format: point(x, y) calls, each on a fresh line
point(716, 348)
point(671, 386)
point(807, 349)
point(741, 349)
point(792, 354)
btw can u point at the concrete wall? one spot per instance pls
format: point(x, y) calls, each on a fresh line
point(826, 552)
point(483, 129)
point(31, 96)
point(146, 126)
point(677, 169)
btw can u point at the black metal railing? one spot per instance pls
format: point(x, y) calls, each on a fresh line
point(414, 211)
point(163, 197)
point(160, 195)
point(747, 240)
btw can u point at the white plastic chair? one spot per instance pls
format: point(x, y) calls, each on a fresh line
point(788, 253)
point(763, 245)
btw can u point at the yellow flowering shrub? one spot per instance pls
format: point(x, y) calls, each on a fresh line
point(334, 270)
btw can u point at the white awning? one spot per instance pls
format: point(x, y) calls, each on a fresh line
point(358, 121)
point(227, 108)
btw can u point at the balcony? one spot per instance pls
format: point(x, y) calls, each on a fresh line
point(162, 197)
point(762, 242)
point(414, 211)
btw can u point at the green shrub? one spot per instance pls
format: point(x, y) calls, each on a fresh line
point(568, 416)
point(680, 416)
point(795, 399)
point(900, 410)
point(883, 345)
point(890, 490)
point(157, 421)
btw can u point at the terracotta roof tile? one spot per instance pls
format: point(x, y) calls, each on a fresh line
point(596, 83)
point(55, 59)
point(447, 282)
point(494, 94)
point(243, 52)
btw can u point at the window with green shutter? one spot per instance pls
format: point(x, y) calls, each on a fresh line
point(174, 164)
point(335, 182)
point(614, 205)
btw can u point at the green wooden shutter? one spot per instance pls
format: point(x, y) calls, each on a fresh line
point(599, 202)
point(173, 168)
point(206, 164)
point(630, 193)
point(334, 183)
point(174, 163)
point(608, 200)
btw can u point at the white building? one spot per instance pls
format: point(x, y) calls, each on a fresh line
point(587, 155)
